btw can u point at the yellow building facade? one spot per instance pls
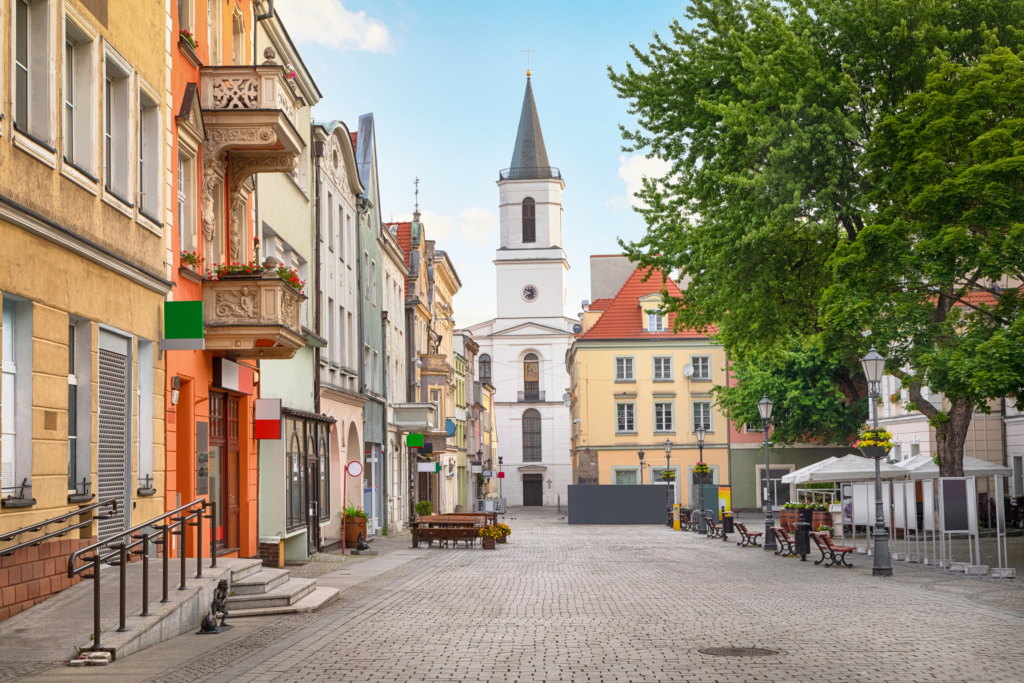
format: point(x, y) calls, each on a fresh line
point(84, 252)
point(635, 385)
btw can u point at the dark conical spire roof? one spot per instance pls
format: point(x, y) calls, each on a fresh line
point(529, 152)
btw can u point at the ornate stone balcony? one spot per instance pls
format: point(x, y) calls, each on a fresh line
point(250, 108)
point(252, 316)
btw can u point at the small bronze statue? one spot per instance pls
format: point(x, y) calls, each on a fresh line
point(219, 605)
point(361, 543)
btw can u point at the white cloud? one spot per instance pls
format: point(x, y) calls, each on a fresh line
point(632, 170)
point(474, 225)
point(477, 225)
point(437, 227)
point(327, 22)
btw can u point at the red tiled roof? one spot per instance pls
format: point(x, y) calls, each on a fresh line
point(403, 233)
point(599, 304)
point(354, 136)
point(984, 297)
point(622, 316)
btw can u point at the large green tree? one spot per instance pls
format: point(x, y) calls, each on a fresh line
point(768, 113)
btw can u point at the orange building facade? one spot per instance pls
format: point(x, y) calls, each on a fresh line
point(233, 118)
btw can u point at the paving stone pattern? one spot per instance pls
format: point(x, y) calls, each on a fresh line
point(604, 603)
point(561, 603)
point(325, 563)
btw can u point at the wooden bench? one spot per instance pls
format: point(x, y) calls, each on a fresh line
point(449, 534)
point(784, 541)
point(749, 539)
point(686, 523)
point(836, 554)
point(714, 531)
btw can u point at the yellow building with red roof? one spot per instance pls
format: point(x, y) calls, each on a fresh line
point(637, 383)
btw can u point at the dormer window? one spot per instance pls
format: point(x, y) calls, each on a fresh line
point(655, 322)
point(529, 220)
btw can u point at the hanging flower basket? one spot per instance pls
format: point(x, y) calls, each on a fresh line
point(874, 443)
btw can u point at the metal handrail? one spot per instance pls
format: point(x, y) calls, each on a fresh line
point(32, 528)
point(529, 173)
point(122, 548)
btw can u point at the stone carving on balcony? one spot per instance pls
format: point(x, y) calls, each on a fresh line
point(240, 304)
point(236, 93)
point(252, 316)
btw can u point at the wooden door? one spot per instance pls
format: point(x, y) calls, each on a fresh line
point(218, 456)
point(533, 489)
point(231, 475)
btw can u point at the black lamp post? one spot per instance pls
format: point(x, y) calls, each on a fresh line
point(700, 433)
point(670, 493)
point(764, 407)
point(641, 454)
point(874, 368)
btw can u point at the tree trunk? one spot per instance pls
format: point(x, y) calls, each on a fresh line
point(950, 430)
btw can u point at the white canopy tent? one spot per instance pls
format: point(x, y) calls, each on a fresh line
point(804, 475)
point(855, 468)
point(923, 467)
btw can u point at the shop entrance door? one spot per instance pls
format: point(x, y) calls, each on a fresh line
point(312, 495)
point(224, 474)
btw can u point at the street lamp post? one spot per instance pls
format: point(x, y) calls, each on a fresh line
point(669, 494)
point(641, 454)
point(764, 407)
point(702, 524)
point(874, 368)
point(499, 476)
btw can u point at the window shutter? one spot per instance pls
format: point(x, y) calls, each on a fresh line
point(113, 455)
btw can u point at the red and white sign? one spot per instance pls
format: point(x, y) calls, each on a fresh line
point(501, 475)
point(354, 468)
point(268, 418)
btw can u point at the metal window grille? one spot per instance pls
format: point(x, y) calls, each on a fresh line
point(531, 436)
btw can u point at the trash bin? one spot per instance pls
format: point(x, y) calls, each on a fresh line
point(727, 521)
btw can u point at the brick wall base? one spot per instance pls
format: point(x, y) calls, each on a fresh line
point(272, 554)
point(31, 575)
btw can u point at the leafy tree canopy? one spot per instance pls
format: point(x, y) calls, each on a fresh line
point(810, 177)
point(804, 386)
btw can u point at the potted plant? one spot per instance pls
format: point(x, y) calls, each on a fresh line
point(825, 530)
point(490, 535)
point(355, 523)
point(188, 38)
point(424, 508)
point(821, 516)
point(192, 260)
point(787, 518)
point(506, 531)
point(804, 512)
point(874, 443)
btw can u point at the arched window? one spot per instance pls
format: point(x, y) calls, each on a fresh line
point(531, 436)
point(531, 377)
point(485, 368)
point(529, 220)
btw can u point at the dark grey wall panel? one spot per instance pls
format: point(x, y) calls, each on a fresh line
point(594, 504)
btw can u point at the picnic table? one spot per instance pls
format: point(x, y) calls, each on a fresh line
point(451, 528)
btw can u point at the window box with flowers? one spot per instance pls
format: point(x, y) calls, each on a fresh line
point(253, 311)
point(490, 535)
point(192, 260)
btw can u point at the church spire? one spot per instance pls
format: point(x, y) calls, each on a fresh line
point(529, 158)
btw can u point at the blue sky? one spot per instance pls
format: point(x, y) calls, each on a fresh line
point(445, 83)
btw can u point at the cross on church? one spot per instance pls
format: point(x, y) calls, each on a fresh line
point(528, 51)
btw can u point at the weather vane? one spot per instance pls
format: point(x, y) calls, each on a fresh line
point(528, 51)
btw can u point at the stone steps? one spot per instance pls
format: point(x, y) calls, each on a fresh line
point(261, 582)
point(311, 602)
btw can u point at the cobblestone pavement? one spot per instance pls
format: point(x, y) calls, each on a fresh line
point(600, 603)
point(324, 563)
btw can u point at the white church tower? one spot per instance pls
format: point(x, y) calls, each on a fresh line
point(523, 350)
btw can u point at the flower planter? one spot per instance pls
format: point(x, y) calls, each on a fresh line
point(874, 452)
point(805, 516)
point(503, 539)
point(788, 519)
point(821, 518)
point(489, 543)
point(353, 527)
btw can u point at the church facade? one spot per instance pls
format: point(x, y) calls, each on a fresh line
point(522, 350)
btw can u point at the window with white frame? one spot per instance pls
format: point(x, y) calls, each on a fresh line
point(72, 411)
point(701, 367)
point(624, 369)
point(435, 398)
point(366, 275)
point(663, 417)
point(655, 322)
point(186, 201)
point(753, 427)
point(7, 399)
point(662, 368)
point(78, 98)
point(116, 138)
point(332, 345)
point(625, 417)
point(347, 247)
point(31, 68)
point(376, 372)
point(330, 221)
point(213, 31)
point(149, 156)
point(185, 15)
point(366, 367)
point(702, 415)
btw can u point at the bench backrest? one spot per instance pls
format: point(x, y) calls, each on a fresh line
point(820, 540)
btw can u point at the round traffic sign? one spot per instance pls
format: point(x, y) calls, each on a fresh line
point(354, 468)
